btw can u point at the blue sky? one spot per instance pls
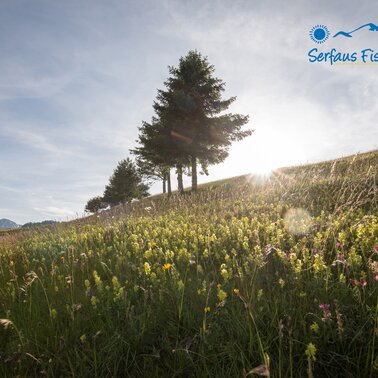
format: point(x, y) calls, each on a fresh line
point(78, 77)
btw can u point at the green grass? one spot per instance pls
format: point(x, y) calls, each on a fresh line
point(280, 272)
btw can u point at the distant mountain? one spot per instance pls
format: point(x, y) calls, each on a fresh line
point(37, 224)
point(6, 223)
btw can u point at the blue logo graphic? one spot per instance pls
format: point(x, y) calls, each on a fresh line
point(319, 33)
point(371, 26)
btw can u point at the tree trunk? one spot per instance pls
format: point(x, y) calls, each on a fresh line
point(180, 184)
point(164, 184)
point(194, 174)
point(169, 183)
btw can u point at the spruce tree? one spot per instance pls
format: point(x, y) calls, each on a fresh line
point(192, 109)
point(125, 184)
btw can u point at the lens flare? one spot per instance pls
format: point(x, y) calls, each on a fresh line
point(298, 221)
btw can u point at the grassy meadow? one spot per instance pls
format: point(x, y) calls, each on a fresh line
point(252, 276)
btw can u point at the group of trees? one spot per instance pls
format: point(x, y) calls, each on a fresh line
point(124, 185)
point(189, 128)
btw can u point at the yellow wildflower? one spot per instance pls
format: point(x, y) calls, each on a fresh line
point(167, 266)
point(147, 268)
point(311, 351)
point(222, 295)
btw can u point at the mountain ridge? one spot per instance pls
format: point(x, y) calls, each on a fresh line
point(8, 224)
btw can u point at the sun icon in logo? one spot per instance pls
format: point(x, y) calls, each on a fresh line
point(319, 33)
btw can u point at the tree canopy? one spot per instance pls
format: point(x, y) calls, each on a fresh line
point(125, 184)
point(94, 204)
point(190, 125)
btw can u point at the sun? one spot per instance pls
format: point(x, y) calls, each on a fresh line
point(319, 33)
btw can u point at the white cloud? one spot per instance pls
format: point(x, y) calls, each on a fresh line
point(55, 211)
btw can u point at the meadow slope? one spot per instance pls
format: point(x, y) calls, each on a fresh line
point(251, 275)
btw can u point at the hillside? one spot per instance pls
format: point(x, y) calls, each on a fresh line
point(7, 224)
point(251, 275)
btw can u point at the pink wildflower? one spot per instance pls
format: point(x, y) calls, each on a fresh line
point(324, 306)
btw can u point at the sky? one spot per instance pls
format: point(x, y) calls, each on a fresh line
point(77, 78)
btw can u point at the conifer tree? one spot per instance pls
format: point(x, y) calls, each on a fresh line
point(192, 109)
point(125, 184)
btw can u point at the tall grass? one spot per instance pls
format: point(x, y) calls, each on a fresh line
point(251, 276)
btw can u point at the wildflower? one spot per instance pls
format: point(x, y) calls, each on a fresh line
point(324, 306)
point(342, 278)
point(207, 309)
point(222, 295)
point(94, 301)
point(199, 291)
point(327, 316)
point(319, 263)
point(97, 279)
point(281, 282)
point(237, 291)
point(148, 253)
point(180, 285)
point(147, 268)
point(311, 351)
point(314, 327)
point(83, 338)
point(362, 283)
point(376, 277)
point(224, 274)
point(219, 286)
point(167, 266)
point(338, 244)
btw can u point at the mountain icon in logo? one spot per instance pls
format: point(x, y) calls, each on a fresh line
point(371, 26)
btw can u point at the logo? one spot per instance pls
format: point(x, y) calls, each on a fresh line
point(319, 33)
point(371, 26)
